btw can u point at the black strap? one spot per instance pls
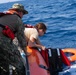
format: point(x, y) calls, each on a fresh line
point(2, 26)
point(44, 67)
point(16, 14)
point(26, 64)
point(55, 61)
point(2, 14)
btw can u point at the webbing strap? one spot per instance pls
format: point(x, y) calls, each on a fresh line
point(7, 31)
point(2, 26)
point(55, 62)
point(44, 67)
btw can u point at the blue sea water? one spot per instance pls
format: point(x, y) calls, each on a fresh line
point(58, 15)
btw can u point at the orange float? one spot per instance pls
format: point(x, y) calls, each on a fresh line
point(35, 59)
point(72, 51)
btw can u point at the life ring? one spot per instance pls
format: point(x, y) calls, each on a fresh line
point(72, 51)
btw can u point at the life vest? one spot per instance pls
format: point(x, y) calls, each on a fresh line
point(9, 12)
point(28, 26)
point(6, 29)
point(54, 59)
point(2, 14)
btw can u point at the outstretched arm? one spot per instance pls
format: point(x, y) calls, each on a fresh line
point(35, 43)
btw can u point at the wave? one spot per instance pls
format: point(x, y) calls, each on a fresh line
point(6, 1)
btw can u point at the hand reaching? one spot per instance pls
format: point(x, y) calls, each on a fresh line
point(43, 47)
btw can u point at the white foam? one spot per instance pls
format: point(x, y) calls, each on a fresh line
point(69, 71)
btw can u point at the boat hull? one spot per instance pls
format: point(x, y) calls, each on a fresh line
point(35, 59)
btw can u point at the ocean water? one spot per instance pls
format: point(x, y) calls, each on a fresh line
point(58, 15)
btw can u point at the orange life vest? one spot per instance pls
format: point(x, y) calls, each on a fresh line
point(9, 12)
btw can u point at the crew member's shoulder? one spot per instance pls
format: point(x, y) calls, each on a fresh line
point(31, 29)
point(16, 16)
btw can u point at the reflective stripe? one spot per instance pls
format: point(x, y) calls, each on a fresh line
point(49, 52)
point(58, 51)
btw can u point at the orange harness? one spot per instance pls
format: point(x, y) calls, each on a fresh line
point(9, 12)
